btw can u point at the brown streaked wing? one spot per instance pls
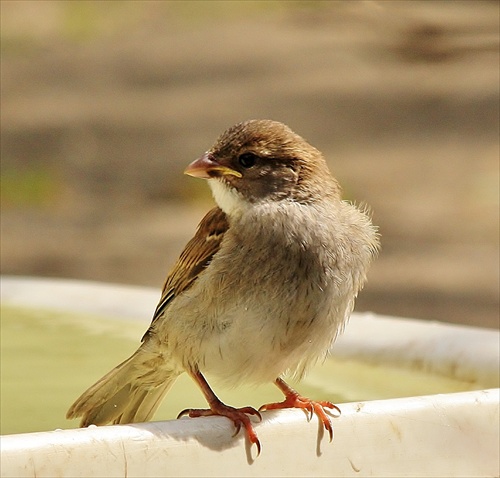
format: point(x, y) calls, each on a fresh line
point(194, 258)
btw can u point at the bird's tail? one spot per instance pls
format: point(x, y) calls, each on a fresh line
point(131, 392)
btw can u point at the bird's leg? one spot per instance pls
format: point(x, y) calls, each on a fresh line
point(239, 416)
point(294, 400)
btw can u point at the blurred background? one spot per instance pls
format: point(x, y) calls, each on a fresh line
point(104, 103)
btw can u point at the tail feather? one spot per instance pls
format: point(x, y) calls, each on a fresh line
point(122, 395)
point(144, 404)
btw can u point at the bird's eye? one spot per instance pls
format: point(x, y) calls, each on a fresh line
point(247, 160)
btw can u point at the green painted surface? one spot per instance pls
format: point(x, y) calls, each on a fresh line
point(49, 358)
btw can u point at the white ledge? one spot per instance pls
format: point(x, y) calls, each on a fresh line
point(441, 435)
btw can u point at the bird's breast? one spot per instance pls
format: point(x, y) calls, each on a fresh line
point(273, 298)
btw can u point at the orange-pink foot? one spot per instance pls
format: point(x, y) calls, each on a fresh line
point(239, 416)
point(294, 400)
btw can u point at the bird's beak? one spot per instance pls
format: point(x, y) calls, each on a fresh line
point(207, 167)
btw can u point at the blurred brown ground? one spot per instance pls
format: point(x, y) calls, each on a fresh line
point(104, 103)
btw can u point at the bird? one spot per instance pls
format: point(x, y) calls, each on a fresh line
point(258, 294)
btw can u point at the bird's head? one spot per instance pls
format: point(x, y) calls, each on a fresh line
point(263, 160)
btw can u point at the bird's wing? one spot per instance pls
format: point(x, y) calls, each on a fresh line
point(194, 258)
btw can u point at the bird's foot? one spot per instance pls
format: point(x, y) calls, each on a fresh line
point(239, 416)
point(294, 400)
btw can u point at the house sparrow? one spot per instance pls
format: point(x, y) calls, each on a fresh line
point(262, 289)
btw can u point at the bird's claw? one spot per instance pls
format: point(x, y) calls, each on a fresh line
point(310, 407)
point(186, 411)
point(239, 417)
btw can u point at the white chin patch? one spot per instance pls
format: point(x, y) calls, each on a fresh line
point(227, 198)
